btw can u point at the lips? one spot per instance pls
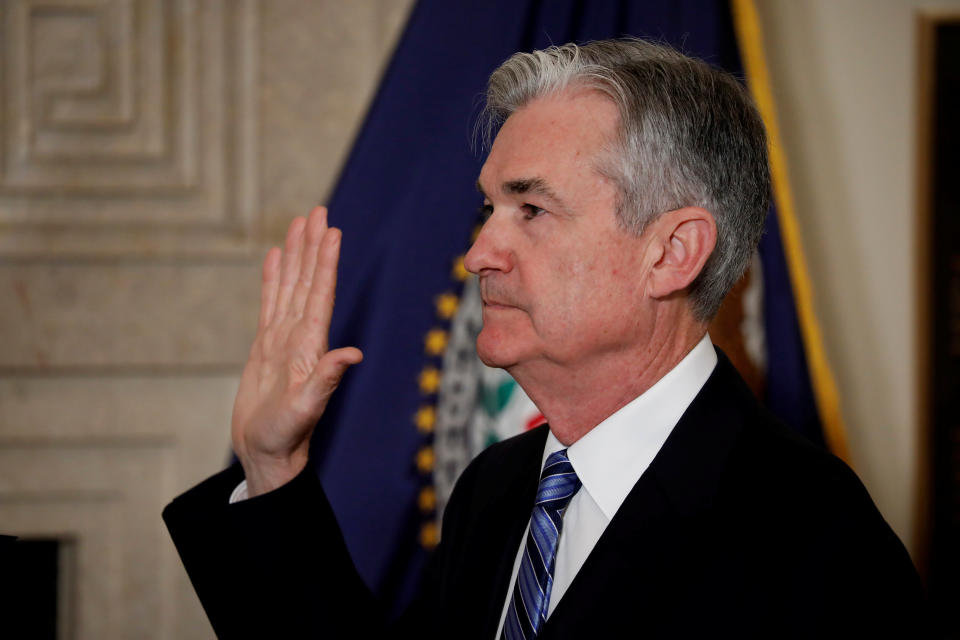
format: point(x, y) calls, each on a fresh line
point(493, 302)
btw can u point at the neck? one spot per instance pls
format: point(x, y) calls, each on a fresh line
point(574, 398)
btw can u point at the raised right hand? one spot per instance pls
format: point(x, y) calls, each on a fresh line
point(290, 373)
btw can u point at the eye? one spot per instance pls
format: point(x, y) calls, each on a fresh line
point(531, 211)
point(484, 212)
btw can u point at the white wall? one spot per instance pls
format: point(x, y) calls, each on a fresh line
point(844, 77)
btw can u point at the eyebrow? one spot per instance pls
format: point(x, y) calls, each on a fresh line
point(520, 186)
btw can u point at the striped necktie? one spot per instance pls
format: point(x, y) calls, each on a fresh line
point(531, 594)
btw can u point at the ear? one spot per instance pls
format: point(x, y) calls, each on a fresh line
point(683, 240)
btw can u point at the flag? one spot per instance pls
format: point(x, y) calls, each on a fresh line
point(407, 205)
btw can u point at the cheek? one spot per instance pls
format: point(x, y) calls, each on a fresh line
point(570, 294)
point(597, 292)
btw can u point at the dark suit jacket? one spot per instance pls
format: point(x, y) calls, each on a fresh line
point(737, 528)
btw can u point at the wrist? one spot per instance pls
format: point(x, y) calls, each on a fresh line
point(267, 473)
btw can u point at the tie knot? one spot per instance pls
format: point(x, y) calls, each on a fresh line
point(558, 482)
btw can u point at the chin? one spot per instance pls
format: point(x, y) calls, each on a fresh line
point(495, 349)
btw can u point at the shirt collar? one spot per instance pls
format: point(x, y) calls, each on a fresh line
point(613, 455)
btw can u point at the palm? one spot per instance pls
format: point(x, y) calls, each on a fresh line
point(290, 373)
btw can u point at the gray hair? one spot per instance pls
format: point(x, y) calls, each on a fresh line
point(688, 135)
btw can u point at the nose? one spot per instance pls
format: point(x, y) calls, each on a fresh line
point(490, 251)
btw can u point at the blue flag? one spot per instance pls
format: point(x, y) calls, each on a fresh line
point(407, 205)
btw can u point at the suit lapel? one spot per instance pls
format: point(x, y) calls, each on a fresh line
point(489, 541)
point(514, 515)
point(623, 575)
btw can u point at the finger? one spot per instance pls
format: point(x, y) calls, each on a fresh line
point(315, 230)
point(268, 288)
point(345, 356)
point(290, 270)
point(319, 307)
point(329, 371)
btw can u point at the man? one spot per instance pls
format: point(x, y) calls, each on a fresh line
point(625, 192)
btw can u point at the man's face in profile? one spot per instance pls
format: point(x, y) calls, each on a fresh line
point(561, 281)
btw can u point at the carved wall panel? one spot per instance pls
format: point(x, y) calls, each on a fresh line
point(127, 116)
point(150, 150)
point(92, 494)
point(93, 460)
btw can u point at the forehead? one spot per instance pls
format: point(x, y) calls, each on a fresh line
point(558, 136)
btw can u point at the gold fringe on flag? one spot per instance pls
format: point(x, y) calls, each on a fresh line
point(750, 40)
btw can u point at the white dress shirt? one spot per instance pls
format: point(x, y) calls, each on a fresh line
point(610, 459)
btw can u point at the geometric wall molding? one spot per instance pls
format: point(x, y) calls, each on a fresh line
point(148, 150)
point(95, 497)
point(127, 118)
point(93, 461)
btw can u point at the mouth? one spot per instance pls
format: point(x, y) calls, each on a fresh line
point(497, 305)
point(493, 299)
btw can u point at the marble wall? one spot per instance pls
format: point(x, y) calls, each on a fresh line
point(150, 152)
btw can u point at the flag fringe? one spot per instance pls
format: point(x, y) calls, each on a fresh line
point(750, 40)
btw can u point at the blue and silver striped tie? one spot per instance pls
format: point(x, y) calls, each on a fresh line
point(531, 594)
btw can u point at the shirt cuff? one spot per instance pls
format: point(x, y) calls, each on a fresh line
point(240, 493)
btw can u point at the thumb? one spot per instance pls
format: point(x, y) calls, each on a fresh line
point(330, 369)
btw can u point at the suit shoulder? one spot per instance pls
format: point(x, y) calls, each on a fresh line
point(806, 517)
point(790, 463)
point(503, 460)
point(791, 490)
point(495, 474)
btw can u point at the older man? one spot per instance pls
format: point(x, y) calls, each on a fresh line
point(625, 192)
